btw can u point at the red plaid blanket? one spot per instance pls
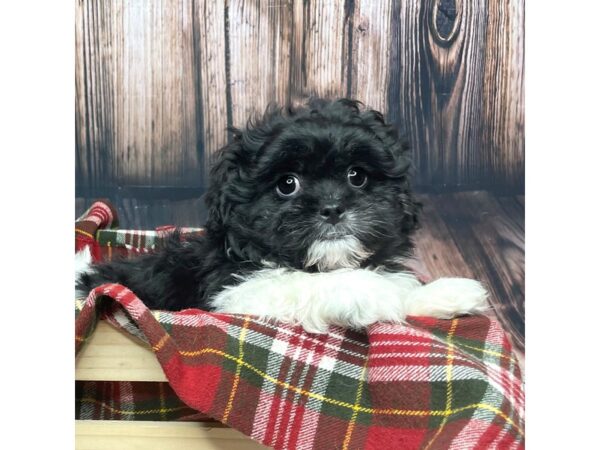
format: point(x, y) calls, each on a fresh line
point(96, 229)
point(131, 400)
point(429, 384)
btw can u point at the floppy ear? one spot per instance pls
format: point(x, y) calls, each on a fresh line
point(222, 184)
point(412, 211)
point(231, 187)
point(229, 182)
point(400, 151)
point(395, 144)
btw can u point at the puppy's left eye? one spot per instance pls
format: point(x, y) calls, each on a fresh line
point(288, 186)
point(357, 177)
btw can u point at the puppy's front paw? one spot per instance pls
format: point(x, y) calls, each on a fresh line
point(447, 298)
point(347, 298)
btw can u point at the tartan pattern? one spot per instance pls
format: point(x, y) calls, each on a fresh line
point(429, 384)
point(131, 400)
point(96, 229)
point(432, 384)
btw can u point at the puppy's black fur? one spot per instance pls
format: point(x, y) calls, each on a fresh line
point(249, 222)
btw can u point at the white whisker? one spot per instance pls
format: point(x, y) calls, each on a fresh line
point(346, 252)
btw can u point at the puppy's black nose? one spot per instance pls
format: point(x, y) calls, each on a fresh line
point(332, 213)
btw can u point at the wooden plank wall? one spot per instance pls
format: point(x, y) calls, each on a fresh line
point(158, 82)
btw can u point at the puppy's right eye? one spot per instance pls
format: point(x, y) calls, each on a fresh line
point(288, 186)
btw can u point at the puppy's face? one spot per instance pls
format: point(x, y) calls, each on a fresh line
point(321, 188)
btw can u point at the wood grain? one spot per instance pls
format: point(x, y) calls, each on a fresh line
point(82, 169)
point(502, 130)
point(96, 28)
point(210, 56)
point(492, 243)
point(514, 209)
point(159, 98)
point(370, 55)
point(157, 83)
point(449, 244)
point(112, 354)
point(297, 54)
point(462, 117)
point(115, 434)
point(326, 48)
point(435, 248)
point(259, 63)
point(136, 94)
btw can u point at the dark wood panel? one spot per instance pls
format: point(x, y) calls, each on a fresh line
point(502, 129)
point(137, 94)
point(458, 92)
point(445, 247)
point(96, 30)
point(435, 247)
point(326, 41)
point(157, 83)
point(492, 243)
point(521, 200)
point(514, 209)
point(371, 31)
point(260, 35)
point(210, 48)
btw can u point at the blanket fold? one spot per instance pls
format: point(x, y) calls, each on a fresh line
point(430, 383)
point(427, 384)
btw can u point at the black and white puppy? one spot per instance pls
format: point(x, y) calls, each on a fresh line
point(310, 217)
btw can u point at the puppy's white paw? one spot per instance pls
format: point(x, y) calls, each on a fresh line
point(347, 298)
point(447, 298)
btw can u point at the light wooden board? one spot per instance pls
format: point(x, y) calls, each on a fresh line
point(146, 435)
point(113, 355)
